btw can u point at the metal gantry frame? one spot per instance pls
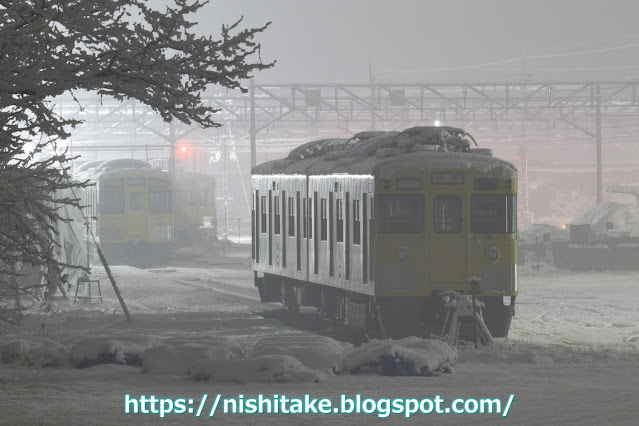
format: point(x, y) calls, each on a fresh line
point(278, 117)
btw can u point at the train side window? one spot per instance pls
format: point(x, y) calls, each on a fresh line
point(340, 221)
point(447, 214)
point(400, 214)
point(264, 214)
point(277, 216)
point(304, 217)
point(357, 223)
point(324, 221)
point(312, 210)
point(291, 216)
point(136, 201)
point(315, 225)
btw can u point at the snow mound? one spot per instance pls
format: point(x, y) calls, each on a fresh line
point(45, 354)
point(411, 356)
point(110, 350)
point(265, 369)
point(217, 341)
point(316, 352)
point(178, 360)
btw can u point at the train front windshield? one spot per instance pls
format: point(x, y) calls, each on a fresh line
point(159, 202)
point(400, 214)
point(493, 214)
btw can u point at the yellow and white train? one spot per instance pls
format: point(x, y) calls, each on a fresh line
point(141, 213)
point(134, 213)
point(374, 229)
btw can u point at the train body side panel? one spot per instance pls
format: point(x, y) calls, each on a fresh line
point(339, 243)
point(279, 246)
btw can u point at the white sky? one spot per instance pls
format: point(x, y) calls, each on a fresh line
point(333, 40)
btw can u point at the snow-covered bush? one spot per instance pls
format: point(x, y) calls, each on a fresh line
point(110, 350)
point(411, 356)
point(265, 369)
point(179, 360)
point(316, 352)
point(47, 353)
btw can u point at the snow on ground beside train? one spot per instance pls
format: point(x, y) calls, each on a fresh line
point(571, 356)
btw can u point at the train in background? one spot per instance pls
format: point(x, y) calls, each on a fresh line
point(141, 214)
point(375, 230)
point(195, 210)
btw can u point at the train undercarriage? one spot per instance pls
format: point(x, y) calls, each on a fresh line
point(380, 317)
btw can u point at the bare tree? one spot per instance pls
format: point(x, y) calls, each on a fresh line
point(119, 48)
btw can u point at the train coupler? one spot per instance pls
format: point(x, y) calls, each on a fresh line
point(461, 313)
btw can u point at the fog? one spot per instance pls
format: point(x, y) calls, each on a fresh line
point(204, 322)
point(415, 40)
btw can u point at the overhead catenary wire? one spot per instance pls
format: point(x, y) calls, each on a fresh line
point(525, 57)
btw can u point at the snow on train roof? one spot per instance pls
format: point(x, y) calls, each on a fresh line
point(383, 153)
point(95, 177)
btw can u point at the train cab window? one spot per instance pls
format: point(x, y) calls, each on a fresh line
point(155, 183)
point(447, 214)
point(324, 221)
point(112, 202)
point(117, 183)
point(264, 214)
point(357, 223)
point(188, 198)
point(493, 214)
point(159, 202)
point(136, 201)
point(136, 181)
point(277, 216)
point(340, 221)
point(291, 216)
point(400, 214)
point(203, 197)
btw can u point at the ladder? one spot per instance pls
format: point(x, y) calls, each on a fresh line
point(87, 283)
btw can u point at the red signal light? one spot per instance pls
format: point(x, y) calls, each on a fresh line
point(183, 149)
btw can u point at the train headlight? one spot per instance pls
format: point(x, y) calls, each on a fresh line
point(402, 254)
point(492, 254)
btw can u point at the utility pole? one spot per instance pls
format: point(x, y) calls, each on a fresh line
point(225, 193)
point(252, 129)
point(172, 149)
point(599, 159)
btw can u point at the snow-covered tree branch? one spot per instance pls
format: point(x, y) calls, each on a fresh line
point(118, 48)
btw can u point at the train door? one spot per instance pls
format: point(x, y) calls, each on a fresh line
point(447, 239)
point(136, 218)
point(255, 225)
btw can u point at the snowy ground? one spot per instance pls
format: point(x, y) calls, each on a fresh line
point(571, 357)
